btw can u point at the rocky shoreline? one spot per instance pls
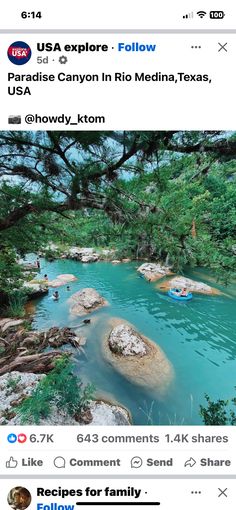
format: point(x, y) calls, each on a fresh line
point(17, 386)
point(151, 271)
point(24, 363)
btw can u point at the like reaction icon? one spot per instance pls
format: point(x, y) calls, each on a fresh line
point(13, 438)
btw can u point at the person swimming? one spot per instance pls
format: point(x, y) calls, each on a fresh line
point(55, 295)
point(45, 278)
point(68, 287)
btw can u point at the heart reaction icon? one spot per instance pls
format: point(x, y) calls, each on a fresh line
point(22, 438)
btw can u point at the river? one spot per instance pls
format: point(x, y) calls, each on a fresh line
point(198, 337)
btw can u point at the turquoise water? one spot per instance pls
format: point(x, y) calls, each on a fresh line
point(198, 337)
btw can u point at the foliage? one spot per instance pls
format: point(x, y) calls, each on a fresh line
point(17, 300)
point(162, 195)
point(59, 389)
point(12, 383)
point(50, 254)
point(217, 413)
point(10, 271)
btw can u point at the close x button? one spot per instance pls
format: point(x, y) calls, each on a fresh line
point(222, 47)
point(222, 492)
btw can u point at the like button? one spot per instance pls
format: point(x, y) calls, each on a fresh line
point(11, 463)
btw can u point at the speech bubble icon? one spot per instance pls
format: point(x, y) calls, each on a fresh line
point(59, 462)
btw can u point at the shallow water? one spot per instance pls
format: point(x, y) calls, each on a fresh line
point(198, 337)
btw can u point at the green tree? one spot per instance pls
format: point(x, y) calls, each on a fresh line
point(61, 389)
point(168, 195)
point(218, 413)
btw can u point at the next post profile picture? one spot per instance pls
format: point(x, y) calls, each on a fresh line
point(19, 53)
point(19, 498)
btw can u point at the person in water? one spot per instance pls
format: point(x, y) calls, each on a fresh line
point(55, 295)
point(68, 287)
point(45, 278)
point(38, 263)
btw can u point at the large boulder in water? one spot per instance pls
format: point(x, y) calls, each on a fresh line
point(181, 282)
point(86, 301)
point(137, 358)
point(61, 280)
point(124, 340)
point(154, 271)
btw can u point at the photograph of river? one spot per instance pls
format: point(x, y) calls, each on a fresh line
point(118, 278)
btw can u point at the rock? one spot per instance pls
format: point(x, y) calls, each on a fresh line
point(67, 277)
point(107, 252)
point(191, 285)
point(104, 413)
point(56, 283)
point(14, 387)
point(153, 272)
point(83, 254)
point(35, 290)
point(126, 341)
point(85, 417)
point(61, 280)
point(90, 258)
point(52, 246)
point(28, 266)
point(137, 358)
point(97, 413)
point(116, 262)
point(81, 340)
point(86, 301)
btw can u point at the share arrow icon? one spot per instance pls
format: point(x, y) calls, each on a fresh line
point(190, 462)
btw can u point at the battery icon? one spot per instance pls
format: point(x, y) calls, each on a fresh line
point(217, 14)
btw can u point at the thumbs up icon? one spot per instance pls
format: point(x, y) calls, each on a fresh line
point(11, 463)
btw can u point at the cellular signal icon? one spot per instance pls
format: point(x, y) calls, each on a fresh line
point(201, 14)
point(188, 16)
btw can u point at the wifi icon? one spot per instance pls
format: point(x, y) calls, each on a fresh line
point(201, 14)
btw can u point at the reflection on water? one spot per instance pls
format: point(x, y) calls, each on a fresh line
point(198, 337)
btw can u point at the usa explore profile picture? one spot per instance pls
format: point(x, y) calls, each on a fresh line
point(19, 53)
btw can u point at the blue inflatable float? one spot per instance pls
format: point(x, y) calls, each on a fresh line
point(174, 294)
